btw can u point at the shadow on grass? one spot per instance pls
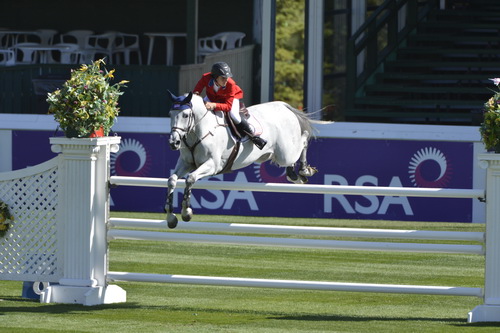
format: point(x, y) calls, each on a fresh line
point(21, 305)
point(453, 321)
point(55, 308)
point(361, 318)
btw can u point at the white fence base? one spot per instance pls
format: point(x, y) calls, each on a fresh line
point(484, 313)
point(84, 295)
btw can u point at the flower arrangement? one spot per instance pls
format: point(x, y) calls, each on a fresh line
point(5, 218)
point(490, 128)
point(87, 102)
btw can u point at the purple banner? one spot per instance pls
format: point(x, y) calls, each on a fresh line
point(339, 161)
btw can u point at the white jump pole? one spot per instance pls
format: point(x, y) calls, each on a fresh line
point(120, 222)
point(490, 310)
point(306, 188)
point(294, 284)
point(294, 242)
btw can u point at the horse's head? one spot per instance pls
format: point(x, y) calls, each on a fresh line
point(181, 118)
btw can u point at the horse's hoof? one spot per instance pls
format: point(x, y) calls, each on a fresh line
point(308, 171)
point(298, 180)
point(172, 221)
point(187, 214)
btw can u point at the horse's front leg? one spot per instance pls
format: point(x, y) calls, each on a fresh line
point(187, 211)
point(169, 206)
point(206, 169)
point(172, 183)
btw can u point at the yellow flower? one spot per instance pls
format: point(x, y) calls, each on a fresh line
point(110, 74)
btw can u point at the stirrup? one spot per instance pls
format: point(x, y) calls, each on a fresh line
point(258, 142)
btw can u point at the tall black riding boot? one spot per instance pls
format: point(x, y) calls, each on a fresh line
point(244, 128)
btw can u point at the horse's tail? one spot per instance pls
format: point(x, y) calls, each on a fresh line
point(305, 121)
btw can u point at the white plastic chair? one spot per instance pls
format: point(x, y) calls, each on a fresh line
point(222, 41)
point(79, 37)
point(75, 47)
point(103, 45)
point(7, 58)
point(212, 44)
point(70, 53)
point(126, 44)
point(3, 39)
point(234, 39)
point(23, 55)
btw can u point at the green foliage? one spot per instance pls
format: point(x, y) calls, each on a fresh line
point(87, 101)
point(490, 128)
point(6, 218)
point(289, 57)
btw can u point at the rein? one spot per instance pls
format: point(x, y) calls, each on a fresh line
point(190, 129)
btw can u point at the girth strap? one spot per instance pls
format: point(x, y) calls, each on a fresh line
point(232, 157)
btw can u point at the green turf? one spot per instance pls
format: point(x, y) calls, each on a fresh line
point(155, 307)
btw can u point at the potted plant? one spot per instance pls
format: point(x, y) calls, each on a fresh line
point(87, 104)
point(490, 128)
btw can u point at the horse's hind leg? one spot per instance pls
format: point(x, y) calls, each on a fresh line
point(291, 175)
point(305, 170)
point(187, 211)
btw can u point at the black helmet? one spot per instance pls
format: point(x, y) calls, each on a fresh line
point(221, 69)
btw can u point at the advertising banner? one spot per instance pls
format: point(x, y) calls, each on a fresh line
point(359, 162)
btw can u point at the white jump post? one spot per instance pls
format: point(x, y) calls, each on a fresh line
point(490, 310)
point(82, 216)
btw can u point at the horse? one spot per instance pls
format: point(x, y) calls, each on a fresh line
point(207, 146)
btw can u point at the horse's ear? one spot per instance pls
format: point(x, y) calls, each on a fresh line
point(188, 98)
point(172, 96)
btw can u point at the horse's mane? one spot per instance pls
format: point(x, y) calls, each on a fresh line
point(196, 99)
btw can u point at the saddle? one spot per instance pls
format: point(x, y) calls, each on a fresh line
point(230, 123)
point(244, 114)
point(237, 135)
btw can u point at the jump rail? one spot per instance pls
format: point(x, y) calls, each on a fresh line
point(300, 230)
point(306, 188)
point(294, 284)
point(293, 242)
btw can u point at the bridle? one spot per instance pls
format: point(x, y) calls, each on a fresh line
point(191, 126)
point(191, 119)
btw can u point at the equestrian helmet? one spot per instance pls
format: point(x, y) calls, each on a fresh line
point(221, 69)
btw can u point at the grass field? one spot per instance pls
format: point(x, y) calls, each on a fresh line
point(155, 307)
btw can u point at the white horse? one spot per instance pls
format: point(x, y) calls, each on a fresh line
point(207, 146)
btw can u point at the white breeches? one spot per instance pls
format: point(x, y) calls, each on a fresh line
point(235, 110)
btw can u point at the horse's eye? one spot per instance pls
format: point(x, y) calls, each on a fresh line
point(185, 115)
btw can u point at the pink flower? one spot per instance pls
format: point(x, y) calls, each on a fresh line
point(496, 81)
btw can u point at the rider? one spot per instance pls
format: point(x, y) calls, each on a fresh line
point(223, 94)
